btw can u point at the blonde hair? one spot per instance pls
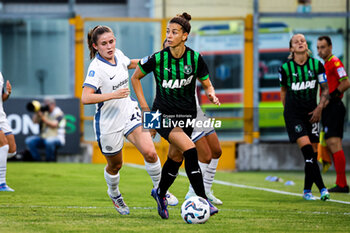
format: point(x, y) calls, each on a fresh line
point(93, 35)
point(291, 54)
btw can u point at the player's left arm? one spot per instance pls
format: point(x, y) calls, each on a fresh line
point(209, 91)
point(324, 100)
point(6, 94)
point(133, 63)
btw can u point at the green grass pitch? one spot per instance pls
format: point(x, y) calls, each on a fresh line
point(64, 197)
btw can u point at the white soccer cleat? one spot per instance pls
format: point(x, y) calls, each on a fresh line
point(119, 204)
point(172, 200)
point(213, 199)
point(5, 188)
point(190, 193)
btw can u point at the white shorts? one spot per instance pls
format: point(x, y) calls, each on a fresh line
point(198, 133)
point(111, 144)
point(5, 127)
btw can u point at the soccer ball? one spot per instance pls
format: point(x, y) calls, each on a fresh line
point(195, 210)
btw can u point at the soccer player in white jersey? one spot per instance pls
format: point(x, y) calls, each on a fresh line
point(7, 139)
point(117, 114)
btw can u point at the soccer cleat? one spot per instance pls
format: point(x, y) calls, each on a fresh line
point(171, 199)
point(190, 193)
point(213, 209)
point(309, 197)
point(5, 188)
point(119, 204)
point(213, 199)
point(324, 194)
point(338, 189)
point(161, 203)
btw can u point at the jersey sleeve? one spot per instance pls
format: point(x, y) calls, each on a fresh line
point(322, 78)
point(124, 58)
point(93, 79)
point(282, 76)
point(147, 64)
point(202, 72)
point(339, 67)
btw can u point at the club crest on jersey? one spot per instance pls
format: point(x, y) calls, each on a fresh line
point(91, 73)
point(187, 69)
point(311, 74)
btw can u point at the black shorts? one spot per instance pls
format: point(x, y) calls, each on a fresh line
point(333, 119)
point(172, 120)
point(298, 125)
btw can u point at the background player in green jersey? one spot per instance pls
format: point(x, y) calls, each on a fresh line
point(176, 69)
point(299, 79)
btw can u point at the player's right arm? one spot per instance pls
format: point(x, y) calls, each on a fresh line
point(89, 95)
point(282, 78)
point(93, 82)
point(136, 84)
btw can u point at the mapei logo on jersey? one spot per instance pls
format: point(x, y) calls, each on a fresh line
point(151, 120)
point(303, 85)
point(176, 83)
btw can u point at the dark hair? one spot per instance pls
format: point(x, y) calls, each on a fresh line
point(164, 42)
point(183, 20)
point(326, 38)
point(93, 35)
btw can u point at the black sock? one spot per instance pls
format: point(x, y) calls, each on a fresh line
point(169, 173)
point(193, 172)
point(317, 174)
point(308, 153)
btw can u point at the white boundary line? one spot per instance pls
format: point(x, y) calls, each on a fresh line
point(246, 186)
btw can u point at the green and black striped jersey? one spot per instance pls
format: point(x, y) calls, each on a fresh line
point(175, 79)
point(302, 82)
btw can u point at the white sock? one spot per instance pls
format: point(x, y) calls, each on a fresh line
point(112, 183)
point(10, 155)
point(210, 174)
point(203, 167)
point(3, 163)
point(154, 171)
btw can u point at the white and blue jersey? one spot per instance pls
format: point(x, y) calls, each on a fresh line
point(4, 124)
point(113, 115)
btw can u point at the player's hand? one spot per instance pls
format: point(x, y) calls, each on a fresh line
point(153, 132)
point(214, 99)
point(8, 87)
point(316, 114)
point(121, 93)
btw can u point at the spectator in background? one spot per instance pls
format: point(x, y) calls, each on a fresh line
point(52, 131)
point(333, 115)
point(7, 139)
point(299, 79)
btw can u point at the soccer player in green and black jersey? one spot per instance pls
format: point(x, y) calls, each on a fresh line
point(299, 79)
point(176, 69)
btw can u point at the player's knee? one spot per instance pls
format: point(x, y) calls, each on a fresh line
point(217, 153)
point(150, 155)
point(114, 169)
